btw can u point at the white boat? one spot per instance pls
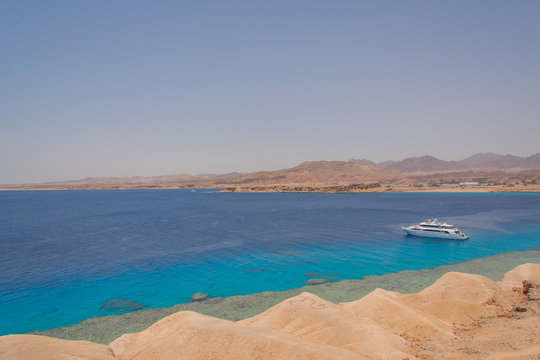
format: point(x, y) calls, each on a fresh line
point(435, 229)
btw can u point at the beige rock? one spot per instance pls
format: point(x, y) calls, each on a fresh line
point(313, 319)
point(458, 298)
point(188, 335)
point(389, 310)
point(455, 286)
point(514, 278)
point(34, 347)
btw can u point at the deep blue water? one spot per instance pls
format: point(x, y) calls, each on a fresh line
point(63, 254)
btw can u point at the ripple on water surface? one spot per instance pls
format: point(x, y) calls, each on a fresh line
point(63, 255)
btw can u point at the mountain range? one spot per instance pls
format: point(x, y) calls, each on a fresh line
point(414, 170)
point(477, 161)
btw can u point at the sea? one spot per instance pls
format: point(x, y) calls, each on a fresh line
point(66, 256)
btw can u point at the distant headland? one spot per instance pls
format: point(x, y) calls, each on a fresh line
point(483, 172)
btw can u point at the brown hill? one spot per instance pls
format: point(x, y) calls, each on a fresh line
point(331, 176)
point(311, 173)
point(317, 173)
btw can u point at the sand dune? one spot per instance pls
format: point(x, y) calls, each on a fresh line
point(33, 347)
point(458, 298)
point(514, 278)
point(189, 335)
point(313, 319)
point(460, 316)
point(390, 311)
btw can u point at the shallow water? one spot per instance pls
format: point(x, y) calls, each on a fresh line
point(63, 255)
point(107, 328)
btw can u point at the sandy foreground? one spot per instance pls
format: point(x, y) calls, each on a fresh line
point(460, 316)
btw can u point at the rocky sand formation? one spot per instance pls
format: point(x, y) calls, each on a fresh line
point(460, 316)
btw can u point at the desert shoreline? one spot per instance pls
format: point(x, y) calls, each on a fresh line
point(459, 315)
point(103, 330)
point(382, 189)
point(297, 188)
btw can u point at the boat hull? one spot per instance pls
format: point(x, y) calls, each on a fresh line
point(433, 234)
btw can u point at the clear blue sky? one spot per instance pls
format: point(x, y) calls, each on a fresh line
point(123, 88)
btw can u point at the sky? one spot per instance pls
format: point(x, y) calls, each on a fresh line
point(142, 88)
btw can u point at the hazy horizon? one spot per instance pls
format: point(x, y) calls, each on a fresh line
point(245, 172)
point(101, 89)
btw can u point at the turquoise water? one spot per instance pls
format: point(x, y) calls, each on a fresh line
point(64, 254)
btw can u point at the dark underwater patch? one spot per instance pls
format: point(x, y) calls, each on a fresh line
point(121, 305)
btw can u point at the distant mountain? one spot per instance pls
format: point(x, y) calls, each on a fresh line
point(365, 161)
point(422, 163)
point(492, 161)
point(317, 172)
point(481, 159)
point(533, 161)
point(385, 164)
point(424, 169)
point(496, 161)
point(142, 180)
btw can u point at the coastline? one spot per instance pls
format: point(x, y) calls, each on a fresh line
point(105, 329)
point(296, 188)
point(378, 189)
